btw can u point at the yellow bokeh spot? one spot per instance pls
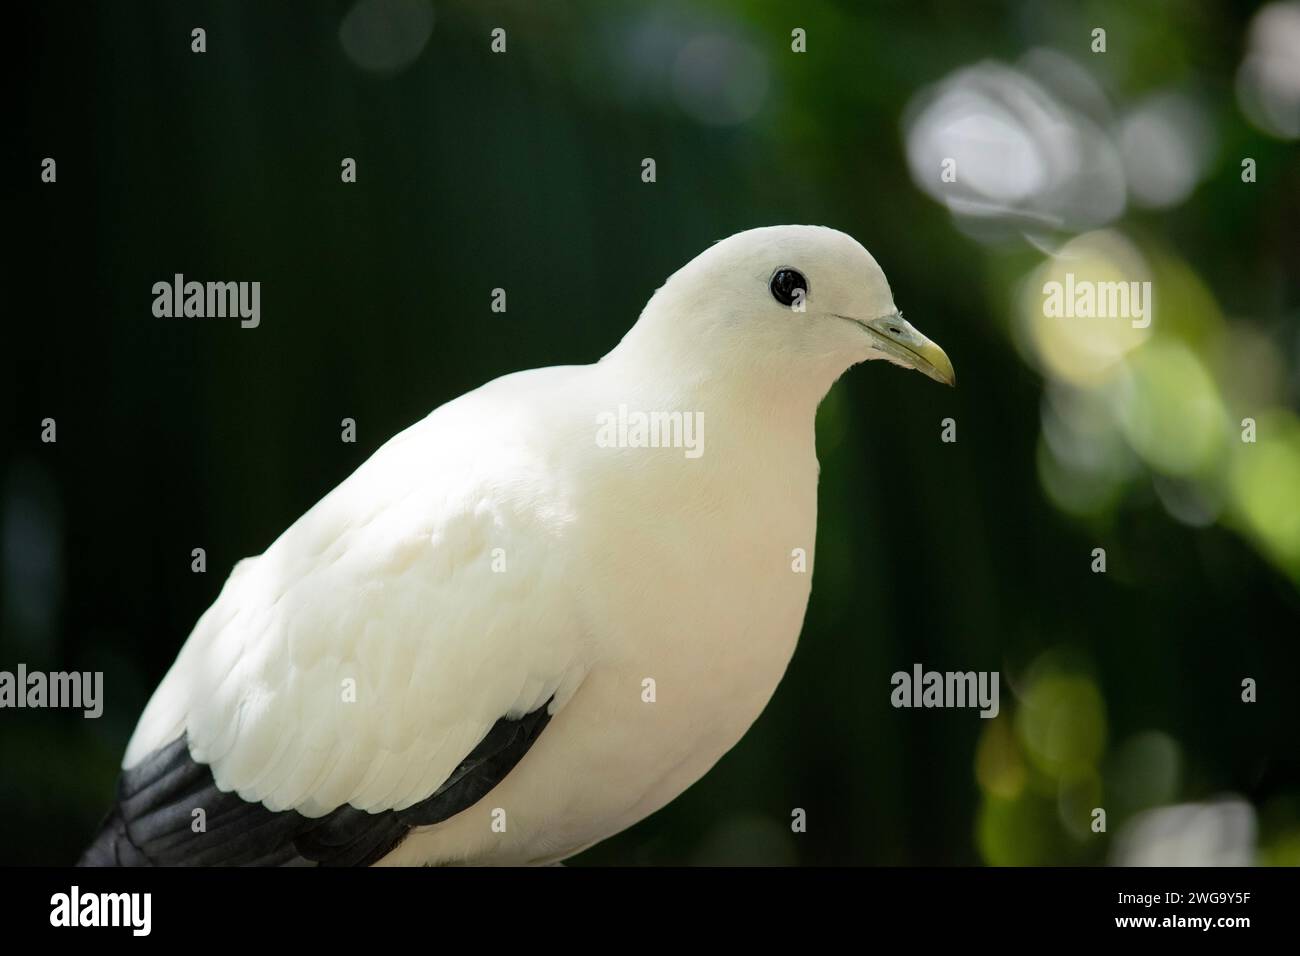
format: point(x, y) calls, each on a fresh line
point(1264, 482)
point(1068, 308)
point(1024, 831)
point(1170, 409)
point(1062, 723)
point(999, 767)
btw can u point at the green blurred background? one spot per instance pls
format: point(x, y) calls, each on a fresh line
point(522, 170)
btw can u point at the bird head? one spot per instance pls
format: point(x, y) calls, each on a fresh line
point(786, 301)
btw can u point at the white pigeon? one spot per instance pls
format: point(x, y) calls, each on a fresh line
point(536, 616)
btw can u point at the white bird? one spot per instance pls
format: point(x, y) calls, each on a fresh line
point(448, 658)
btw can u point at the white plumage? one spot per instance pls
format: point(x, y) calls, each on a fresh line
point(493, 557)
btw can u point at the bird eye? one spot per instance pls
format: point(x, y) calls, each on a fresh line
point(786, 283)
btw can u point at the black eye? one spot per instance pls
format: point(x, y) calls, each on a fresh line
point(785, 284)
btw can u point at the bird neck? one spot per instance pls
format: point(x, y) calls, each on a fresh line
point(745, 411)
point(657, 362)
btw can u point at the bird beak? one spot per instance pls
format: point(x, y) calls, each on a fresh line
point(903, 345)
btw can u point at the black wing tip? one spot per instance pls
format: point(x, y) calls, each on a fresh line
point(152, 820)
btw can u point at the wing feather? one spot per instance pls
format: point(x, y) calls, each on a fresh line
point(353, 669)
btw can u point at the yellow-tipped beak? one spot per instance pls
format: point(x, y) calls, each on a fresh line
point(902, 344)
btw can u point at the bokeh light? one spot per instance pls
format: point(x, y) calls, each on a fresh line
point(1268, 81)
